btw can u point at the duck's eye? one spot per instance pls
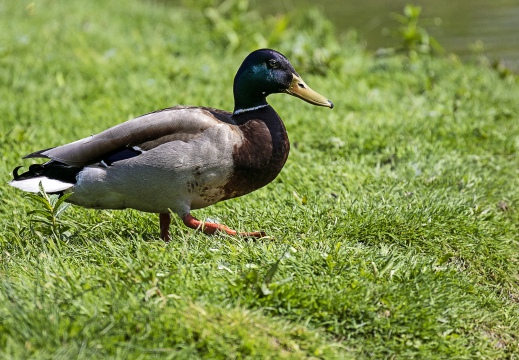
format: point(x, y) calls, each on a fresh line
point(273, 64)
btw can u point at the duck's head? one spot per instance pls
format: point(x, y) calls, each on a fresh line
point(266, 71)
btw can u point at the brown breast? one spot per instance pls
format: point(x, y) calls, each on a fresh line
point(261, 155)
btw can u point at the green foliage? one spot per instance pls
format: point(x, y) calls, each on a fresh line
point(393, 224)
point(504, 72)
point(314, 47)
point(252, 279)
point(47, 219)
point(414, 38)
point(230, 23)
point(307, 37)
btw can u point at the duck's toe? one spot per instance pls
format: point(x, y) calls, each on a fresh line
point(211, 228)
point(254, 234)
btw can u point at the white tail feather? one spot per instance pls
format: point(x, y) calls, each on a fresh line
point(33, 184)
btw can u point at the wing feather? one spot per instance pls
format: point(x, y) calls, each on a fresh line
point(146, 132)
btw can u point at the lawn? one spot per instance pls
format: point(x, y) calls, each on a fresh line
point(393, 228)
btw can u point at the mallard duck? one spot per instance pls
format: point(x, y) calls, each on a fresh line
point(181, 158)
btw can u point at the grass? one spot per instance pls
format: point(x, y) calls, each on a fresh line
point(394, 224)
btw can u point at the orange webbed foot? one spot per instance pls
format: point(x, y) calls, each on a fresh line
point(211, 228)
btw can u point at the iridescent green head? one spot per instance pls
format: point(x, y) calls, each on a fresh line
point(265, 72)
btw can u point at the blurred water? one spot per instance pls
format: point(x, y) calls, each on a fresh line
point(464, 23)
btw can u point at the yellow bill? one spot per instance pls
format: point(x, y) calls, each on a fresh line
point(298, 88)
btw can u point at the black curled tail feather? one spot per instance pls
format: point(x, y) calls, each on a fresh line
point(15, 173)
point(34, 171)
point(52, 170)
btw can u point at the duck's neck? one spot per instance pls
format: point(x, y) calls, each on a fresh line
point(247, 97)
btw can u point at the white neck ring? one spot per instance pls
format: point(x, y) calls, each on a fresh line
point(241, 111)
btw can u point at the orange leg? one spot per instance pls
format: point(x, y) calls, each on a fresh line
point(211, 228)
point(164, 219)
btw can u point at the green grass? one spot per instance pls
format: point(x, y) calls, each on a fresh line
point(394, 224)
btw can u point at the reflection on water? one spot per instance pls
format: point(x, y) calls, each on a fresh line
point(464, 22)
